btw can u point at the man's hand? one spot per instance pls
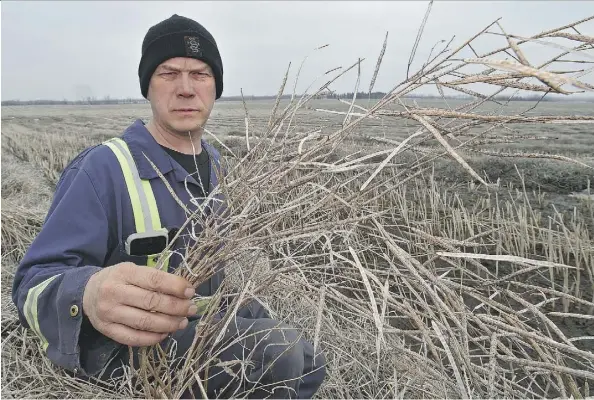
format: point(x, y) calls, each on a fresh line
point(136, 305)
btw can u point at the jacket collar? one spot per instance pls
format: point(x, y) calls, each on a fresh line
point(141, 143)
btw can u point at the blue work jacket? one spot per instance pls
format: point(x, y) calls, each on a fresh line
point(85, 230)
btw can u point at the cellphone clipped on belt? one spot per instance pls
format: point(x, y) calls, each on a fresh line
point(147, 243)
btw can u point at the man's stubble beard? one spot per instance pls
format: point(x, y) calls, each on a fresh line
point(164, 130)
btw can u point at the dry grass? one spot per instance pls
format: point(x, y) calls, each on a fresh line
point(19, 226)
point(409, 289)
point(50, 152)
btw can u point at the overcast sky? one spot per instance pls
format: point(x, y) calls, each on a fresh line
point(74, 49)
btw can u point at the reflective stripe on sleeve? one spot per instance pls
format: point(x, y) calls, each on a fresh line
point(30, 309)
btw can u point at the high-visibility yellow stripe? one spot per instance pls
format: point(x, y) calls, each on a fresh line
point(202, 303)
point(153, 259)
point(152, 203)
point(134, 197)
point(156, 222)
point(30, 309)
point(133, 190)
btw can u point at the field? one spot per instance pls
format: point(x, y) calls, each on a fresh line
point(84, 123)
point(547, 181)
point(542, 209)
point(430, 248)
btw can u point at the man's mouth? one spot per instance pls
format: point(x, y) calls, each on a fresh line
point(185, 110)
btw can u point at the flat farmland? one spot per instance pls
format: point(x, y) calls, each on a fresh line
point(529, 144)
point(542, 209)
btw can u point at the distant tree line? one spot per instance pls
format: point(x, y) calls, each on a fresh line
point(86, 101)
point(349, 95)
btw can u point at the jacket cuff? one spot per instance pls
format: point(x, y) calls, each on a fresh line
point(96, 346)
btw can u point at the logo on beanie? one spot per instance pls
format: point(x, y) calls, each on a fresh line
point(192, 46)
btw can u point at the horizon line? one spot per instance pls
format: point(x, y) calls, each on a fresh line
point(372, 95)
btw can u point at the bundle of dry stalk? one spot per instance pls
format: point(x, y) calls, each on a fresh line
point(406, 292)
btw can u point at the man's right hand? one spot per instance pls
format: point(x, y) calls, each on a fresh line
point(136, 305)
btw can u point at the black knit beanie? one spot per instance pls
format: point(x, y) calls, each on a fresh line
point(178, 37)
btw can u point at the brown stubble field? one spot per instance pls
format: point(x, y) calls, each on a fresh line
point(543, 209)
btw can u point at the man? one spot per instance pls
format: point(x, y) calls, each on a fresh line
point(87, 285)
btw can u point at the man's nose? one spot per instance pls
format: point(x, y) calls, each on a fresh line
point(185, 86)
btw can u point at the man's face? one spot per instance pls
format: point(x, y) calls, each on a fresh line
point(182, 93)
